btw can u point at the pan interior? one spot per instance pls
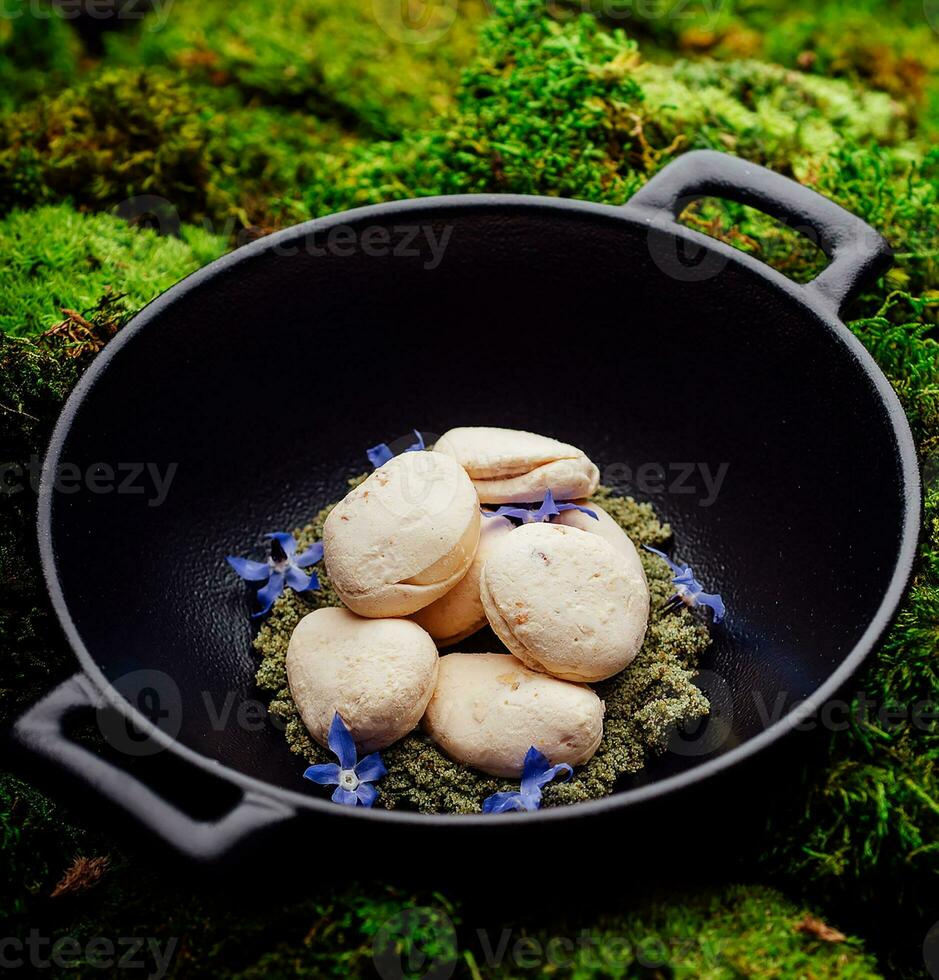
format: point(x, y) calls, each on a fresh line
point(259, 386)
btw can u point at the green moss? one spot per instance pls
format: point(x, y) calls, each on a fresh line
point(119, 135)
point(356, 61)
point(548, 108)
point(123, 134)
point(36, 841)
point(564, 107)
point(261, 157)
point(904, 343)
point(718, 934)
point(896, 192)
point(644, 703)
point(36, 376)
point(784, 119)
point(53, 258)
point(834, 38)
point(544, 108)
point(38, 51)
point(208, 932)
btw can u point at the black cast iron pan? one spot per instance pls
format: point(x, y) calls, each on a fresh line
point(262, 378)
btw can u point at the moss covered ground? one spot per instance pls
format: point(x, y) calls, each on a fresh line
point(231, 119)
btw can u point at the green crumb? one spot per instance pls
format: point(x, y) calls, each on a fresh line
point(639, 521)
point(644, 704)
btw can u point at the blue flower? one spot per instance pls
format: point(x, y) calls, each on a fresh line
point(351, 778)
point(282, 568)
point(545, 512)
point(536, 773)
point(380, 454)
point(688, 589)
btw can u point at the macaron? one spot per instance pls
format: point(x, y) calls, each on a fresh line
point(460, 612)
point(609, 530)
point(404, 537)
point(565, 601)
point(512, 466)
point(488, 709)
point(379, 674)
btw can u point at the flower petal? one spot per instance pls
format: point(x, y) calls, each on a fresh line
point(250, 571)
point(417, 446)
point(690, 590)
point(371, 768)
point(379, 455)
point(534, 766)
point(546, 510)
point(562, 768)
point(519, 513)
point(366, 794)
point(531, 515)
point(538, 772)
point(344, 796)
point(531, 801)
point(340, 743)
point(687, 579)
point(270, 593)
point(286, 541)
point(326, 774)
point(714, 602)
point(299, 581)
point(583, 510)
point(503, 802)
point(311, 556)
point(681, 574)
point(676, 569)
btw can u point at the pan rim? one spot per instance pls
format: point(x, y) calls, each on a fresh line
point(813, 302)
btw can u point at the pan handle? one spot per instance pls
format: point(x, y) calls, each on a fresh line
point(40, 732)
point(858, 253)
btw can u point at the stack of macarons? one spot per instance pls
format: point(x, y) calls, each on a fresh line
point(419, 567)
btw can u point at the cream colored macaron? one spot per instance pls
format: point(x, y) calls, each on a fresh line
point(609, 530)
point(565, 601)
point(460, 612)
point(404, 537)
point(488, 709)
point(511, 466)
point(378, 674)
